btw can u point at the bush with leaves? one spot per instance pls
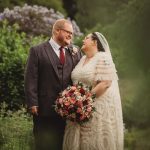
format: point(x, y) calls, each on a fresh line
point(14, 48)
point(35, 20)
point(56, 4)
point(15, 129)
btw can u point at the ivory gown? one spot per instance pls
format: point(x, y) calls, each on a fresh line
point(105, 130)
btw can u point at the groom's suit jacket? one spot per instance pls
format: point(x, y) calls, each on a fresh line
point(45, 77)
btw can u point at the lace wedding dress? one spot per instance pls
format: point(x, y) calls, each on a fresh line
point(105, 130)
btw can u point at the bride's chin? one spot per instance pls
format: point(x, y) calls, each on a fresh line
point(82, 48)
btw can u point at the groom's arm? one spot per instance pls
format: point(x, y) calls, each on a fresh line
point(31, 81)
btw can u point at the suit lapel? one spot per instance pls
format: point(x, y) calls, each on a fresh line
point(48, 48)
point(73, 59)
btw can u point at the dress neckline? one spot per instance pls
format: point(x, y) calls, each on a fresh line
point(90, 60)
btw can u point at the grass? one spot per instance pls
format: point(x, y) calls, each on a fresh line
point(16, 132)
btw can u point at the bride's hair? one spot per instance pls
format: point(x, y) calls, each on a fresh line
point(99, 44)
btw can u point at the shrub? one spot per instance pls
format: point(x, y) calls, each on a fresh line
point(13, 54)
point(15, 129)
point(137, 139)
point(35, 20)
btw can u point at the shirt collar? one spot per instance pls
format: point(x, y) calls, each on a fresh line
point(54, 44)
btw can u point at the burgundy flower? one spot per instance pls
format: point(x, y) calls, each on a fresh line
point(82, 91)
point(75, 103)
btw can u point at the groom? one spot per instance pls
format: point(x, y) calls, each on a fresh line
point(48, 71)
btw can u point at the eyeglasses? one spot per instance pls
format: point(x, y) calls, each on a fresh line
point(69, 32)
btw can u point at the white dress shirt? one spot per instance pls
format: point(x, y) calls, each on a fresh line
point(55, 47)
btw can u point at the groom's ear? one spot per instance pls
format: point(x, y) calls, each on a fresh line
point(56, 32)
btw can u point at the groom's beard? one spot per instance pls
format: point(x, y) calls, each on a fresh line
point(65, 41)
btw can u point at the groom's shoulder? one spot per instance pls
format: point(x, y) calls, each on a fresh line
point(40, 46)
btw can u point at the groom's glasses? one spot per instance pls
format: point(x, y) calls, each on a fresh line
point(69, 32)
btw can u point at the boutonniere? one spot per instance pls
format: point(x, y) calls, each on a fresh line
point(74, 50)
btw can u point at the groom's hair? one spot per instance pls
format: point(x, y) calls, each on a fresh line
point(99, 44)
point(59, 24)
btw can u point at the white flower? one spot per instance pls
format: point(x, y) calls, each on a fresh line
point(74, 50)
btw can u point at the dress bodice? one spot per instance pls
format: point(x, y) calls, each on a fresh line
point(84, 72)
point(105, 129)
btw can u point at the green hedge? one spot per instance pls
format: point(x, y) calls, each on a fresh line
point(14, 48)
point(15, 129)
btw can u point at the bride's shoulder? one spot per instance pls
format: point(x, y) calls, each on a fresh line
point(102, 55)
point(103, 59)
point(82, 58)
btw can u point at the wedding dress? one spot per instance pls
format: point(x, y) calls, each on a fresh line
point(105, 130)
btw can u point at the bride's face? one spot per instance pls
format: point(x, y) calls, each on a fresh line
point(87, 43)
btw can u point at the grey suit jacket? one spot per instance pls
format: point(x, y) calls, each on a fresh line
point(42, 83)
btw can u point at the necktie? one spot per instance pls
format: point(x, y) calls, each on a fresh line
point(62, 55)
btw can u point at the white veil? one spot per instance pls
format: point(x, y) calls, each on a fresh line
point(114, 77)
point(104, 43)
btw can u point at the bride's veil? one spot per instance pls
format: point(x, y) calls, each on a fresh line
point(104, 43)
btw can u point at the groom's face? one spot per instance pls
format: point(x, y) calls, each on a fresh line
point(65, 34)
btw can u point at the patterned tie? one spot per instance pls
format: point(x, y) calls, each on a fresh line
point(62, 55)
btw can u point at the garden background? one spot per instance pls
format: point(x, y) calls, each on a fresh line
point(125, 24)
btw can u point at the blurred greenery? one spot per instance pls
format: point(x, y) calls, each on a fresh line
point(15, 129)
point(99, 11)
point(137, 139)
point(125, 24)
point(55, 4)
point(130, 39)
point(14, 49)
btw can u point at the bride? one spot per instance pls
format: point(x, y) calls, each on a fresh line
point(105, 130)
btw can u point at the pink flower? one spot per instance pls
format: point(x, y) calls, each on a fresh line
point(79, 110)
point(67, 103)
point(88, 94)
point(73, 88)
point(79, 103)
point(89, 109)
point(82, 117)
point(72, 100)
point(60, 101)
point(75, 103)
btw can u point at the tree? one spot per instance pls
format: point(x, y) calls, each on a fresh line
point(55, 4)
point(70, 7)
point(130, 35)
point(96, 11)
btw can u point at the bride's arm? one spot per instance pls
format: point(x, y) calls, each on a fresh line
point(101, 87)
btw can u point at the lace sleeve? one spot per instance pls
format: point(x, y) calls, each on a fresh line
point(105, 69)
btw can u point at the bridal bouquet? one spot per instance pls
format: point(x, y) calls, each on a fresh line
point(75, 103)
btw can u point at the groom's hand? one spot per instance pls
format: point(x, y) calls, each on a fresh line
point(34, 110)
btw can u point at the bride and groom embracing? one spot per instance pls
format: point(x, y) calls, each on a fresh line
point(54, 65)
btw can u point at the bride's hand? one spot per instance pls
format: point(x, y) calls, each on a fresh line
point(101, 87)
